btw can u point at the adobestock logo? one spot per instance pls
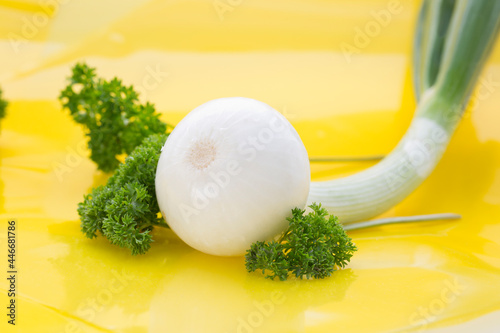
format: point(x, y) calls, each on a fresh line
point(371, 30)
point(486, 87)
point(153, 79)
point(420, 150)
point(427, 314)
point(225, 6)
point(263, 310)
point(31, 27)
point(73, 158)
point(92, 306)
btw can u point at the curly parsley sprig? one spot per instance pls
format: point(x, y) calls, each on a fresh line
point(115, 122)
point(314, 245)
point(125, 210)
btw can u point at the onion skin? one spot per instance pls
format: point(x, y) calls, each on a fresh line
point(229, 175)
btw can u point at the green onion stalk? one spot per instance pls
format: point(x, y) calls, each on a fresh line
point(452, 43)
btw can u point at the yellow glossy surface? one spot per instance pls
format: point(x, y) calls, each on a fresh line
point(288, 53)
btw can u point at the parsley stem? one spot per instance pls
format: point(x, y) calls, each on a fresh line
point(326, 159)
point(402, 219)
point(160, 224)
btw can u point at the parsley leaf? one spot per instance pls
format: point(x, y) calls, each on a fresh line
point(3, 106)
point(125, 210)
point(115, 121)
point(314, 245)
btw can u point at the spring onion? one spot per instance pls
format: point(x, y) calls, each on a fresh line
point(453, 41)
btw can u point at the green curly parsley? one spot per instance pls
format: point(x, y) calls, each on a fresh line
point(125, 210)
point(3, 106)
point(314, 245)
point(115, 121)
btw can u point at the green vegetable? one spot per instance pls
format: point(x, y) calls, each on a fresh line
point(115, 121)
point(3, 106)
point(314, 245)
point(452, 43)
point(125, 210)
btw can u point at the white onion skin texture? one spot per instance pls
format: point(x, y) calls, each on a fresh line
point(229, 175)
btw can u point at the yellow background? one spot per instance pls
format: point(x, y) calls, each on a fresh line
point(436, 276)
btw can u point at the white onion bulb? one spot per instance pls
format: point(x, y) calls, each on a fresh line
point(229, 175)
